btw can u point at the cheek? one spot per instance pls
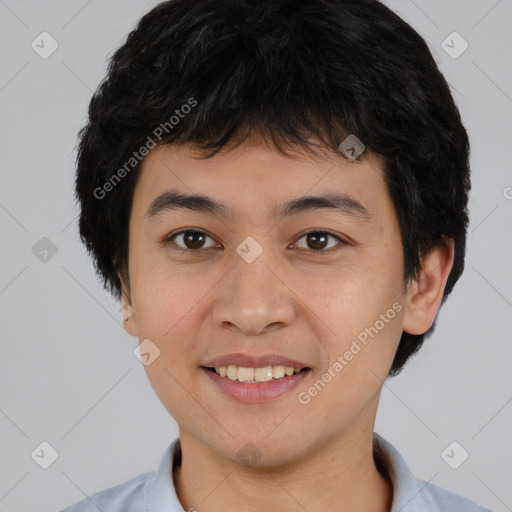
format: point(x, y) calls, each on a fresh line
point(363, 312)
point(164, 298)
point(354, 298)
point(359, 356)
point(166, 306)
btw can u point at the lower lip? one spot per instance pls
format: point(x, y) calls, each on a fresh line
point(256, 392)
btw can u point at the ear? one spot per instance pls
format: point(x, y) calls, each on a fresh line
point(424, 296)
point(128, 311)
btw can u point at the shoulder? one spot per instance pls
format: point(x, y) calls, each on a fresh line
point(441, 500)
point(126, 497)
point(411, 494)
point(148, 492)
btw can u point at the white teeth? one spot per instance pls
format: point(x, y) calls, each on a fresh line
point(262, 374)
point(245, 374)
point(277, 372)
point(232, 372)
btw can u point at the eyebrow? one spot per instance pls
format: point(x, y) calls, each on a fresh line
point(341, 203)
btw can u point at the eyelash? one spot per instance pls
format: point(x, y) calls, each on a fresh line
point(170, 239)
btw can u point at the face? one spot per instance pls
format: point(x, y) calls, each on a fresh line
point(257, 284)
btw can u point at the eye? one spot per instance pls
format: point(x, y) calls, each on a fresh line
point(317, 241)
point(192, 239)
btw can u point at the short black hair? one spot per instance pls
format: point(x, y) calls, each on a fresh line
point(298, 74)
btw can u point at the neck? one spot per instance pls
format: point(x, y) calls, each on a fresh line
point(340, 475)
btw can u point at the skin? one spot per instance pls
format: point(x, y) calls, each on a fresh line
point(292, 300)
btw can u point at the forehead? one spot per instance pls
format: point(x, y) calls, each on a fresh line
point(254, 178)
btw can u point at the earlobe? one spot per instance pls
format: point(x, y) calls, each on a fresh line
point(424, 295)
point(128, 312)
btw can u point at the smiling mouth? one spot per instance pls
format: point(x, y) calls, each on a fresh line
point(255, 375)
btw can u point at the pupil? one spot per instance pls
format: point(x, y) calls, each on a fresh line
point(313, 240)
point(193, 239)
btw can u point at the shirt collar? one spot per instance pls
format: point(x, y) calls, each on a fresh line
point(161, 494)
point(406, 487)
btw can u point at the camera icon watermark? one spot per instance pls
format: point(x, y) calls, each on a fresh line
point(44, 250)
point(454, 45)
point(44, 455)
point(44, 45)
point(351, 147)
point(454, 455)
point(146, 352)
point(507, 193)
point(249, 249)
point(249, 454)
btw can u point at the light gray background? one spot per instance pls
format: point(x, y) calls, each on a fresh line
point(68, 374)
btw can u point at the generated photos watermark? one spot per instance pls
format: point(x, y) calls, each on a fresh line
point(304, 397)
point(165, 127)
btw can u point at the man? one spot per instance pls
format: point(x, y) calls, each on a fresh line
point(277, 190)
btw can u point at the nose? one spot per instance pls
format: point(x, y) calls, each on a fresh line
point(254, 298)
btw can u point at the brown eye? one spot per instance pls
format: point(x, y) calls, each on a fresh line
point(192, 240)
point(319, 240)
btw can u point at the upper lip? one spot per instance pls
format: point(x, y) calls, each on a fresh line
point(253, 361)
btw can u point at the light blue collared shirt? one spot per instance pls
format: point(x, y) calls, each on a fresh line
point(155, 492)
